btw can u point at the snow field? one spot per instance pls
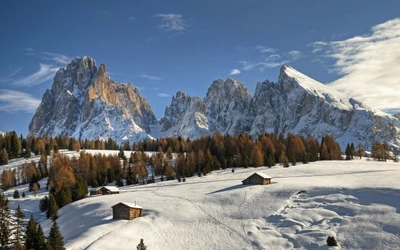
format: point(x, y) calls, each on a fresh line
point(356, 201)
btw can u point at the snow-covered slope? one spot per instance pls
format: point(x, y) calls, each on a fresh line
point(85, 103)
point(356, 201)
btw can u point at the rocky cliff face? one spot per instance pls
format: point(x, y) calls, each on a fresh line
point(186, 116)
point(84, 102)
point(302, 105)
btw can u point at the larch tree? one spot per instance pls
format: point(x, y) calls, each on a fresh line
point(257, 156)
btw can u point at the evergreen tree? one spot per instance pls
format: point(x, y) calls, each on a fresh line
point(44, 204)
point(56, 240)
point(41, 239)
point(31, 234)
point(28, 153)
point(52, 208)
point(3, 156)
point(23, 194)
point(141, 245)
point(5, 223)
point(16, 194)
point(348, 152)
point(19, 233)
point(331, 241)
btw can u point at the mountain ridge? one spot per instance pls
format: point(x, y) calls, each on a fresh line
point(94, 106)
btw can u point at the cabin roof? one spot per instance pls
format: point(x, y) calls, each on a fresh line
point(111, 188)
point(265, 176)
point(131, 205)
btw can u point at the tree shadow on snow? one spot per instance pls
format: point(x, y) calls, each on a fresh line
point(238, 186)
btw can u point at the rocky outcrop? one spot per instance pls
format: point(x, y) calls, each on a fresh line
point(186, 117)
point(85, 103)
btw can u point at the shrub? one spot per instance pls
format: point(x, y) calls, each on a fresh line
point(331, 241)
point(16, 194)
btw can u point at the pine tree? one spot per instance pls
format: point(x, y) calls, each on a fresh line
point(3, 156)
point(52, 208)
point(41, 239)
point(5, 223)
point(31, 234)
point(141, 245)
point(19, 233)
point(56, 240)
point(16, 194)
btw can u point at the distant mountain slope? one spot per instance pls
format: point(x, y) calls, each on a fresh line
point(84, 102)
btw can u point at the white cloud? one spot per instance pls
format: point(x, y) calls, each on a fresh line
point(48, 56)
point(12, 101)
point(369, 65)
point(263, 65)
point(295, 54)
point(163, 95)
point(263, 49)
point(234, 72)
point(152, 78)
point(318, 46)
point(172, 22)
point(46, 72)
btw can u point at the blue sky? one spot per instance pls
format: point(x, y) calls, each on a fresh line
point(165, 46)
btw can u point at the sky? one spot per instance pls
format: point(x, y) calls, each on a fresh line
point(162, 47)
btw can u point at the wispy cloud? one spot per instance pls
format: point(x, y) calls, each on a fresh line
point(13, 73)
point(295, 54)
point(172, 22)
point(317, 46)
point(264, 49)
point(48, 56)
point(234, 72)
point(152, 78)
point(12, 101)
point(369, 65)
point(270, 59)
point(263, 65)
point(46, 72)
point(132, 18)
point(163, 95)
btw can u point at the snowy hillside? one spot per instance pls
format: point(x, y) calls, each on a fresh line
point(356, 201)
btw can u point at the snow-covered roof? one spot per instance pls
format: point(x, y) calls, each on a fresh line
point(131, 205)
point(265, 176)
point(111, 188)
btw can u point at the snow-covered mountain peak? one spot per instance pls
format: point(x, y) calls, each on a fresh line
point(84, 102)
point(292, 80)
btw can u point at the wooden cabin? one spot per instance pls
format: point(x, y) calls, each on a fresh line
point(257, 179)
point(104, 190)
point(126, 211)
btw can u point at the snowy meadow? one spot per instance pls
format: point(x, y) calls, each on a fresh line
point(357, 202)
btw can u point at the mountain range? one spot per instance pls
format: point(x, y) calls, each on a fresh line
point(84, 102)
